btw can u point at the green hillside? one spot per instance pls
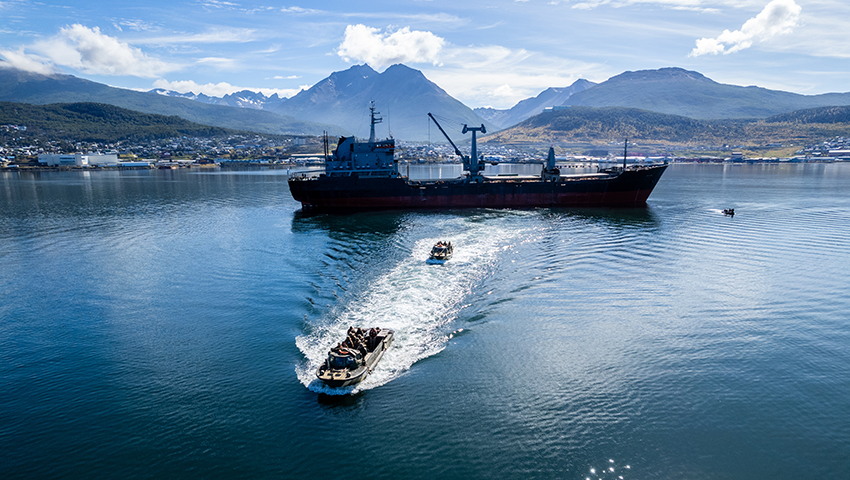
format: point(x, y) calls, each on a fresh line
point(600, 125)
point(97, 122)
point(814, 115)
point(25, 87)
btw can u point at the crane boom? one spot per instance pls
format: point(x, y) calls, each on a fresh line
point(457, 151)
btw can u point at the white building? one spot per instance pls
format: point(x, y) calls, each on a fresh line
point(53, 160)
point(78, 159)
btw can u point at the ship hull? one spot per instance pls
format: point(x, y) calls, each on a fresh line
point(629, 188)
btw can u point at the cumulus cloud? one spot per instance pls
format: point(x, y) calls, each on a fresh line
point(90, 51)
point(221, 89)
point(30, 63)
point(370, 45)
point(779, 17)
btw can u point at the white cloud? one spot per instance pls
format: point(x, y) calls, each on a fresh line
point(136, 25)
point(299, 10)
point(503, 91)
point(90, 51)
point(218, 4)
point(694, 5)
point(370, 45)
point(212, 35)
point(30, 63)
point(87, 50)
point(702, 6)
point(218, 62)
point(779, 17)
point(222, 88)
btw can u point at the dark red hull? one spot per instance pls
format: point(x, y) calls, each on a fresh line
point(629, 188)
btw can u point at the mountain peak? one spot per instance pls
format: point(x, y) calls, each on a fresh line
point(403, 96)
point(661, 75)
point(400, 67)
point(355, 71)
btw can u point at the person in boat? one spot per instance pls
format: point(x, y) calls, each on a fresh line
point(356, 340)
point(371, 341)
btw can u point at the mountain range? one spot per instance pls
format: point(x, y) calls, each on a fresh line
point(26, 87)
point(681, 92)
point(403, 96)
point(241, 99)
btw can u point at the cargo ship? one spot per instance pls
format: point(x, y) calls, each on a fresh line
point(365, 175)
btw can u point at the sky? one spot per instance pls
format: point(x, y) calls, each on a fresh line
point(485, 54)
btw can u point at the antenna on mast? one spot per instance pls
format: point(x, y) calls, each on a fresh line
point(373, 121)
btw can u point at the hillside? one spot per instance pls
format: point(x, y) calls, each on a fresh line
point(97, 122)
point(680, 92)
point(814, 115)
point(25, 87)
point(600, 125)
point(402, 95)
point(553, 96)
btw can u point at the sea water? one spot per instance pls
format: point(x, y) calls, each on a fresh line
point(168, 324)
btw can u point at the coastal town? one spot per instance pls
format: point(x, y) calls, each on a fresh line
point(22, 152)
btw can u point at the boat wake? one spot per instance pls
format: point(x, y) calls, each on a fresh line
point(416, 300)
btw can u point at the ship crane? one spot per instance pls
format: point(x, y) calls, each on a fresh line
point(470, 163)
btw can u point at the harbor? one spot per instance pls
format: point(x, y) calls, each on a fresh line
point(172, 323)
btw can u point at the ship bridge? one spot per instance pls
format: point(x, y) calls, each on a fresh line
point(372, 158)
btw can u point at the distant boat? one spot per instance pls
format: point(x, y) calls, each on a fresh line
point(729, 211)
point(441, 252)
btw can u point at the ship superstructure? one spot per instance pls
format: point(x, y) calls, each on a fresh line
point(362, 159)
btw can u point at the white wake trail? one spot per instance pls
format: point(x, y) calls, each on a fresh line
point(414, 299)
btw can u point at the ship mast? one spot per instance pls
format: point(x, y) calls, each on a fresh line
point(625, 153)
point(374, 121)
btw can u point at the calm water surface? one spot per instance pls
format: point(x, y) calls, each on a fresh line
point(159, 324)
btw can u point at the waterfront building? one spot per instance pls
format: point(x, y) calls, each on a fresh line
point(77, 159)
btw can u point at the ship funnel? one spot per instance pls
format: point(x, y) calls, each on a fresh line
point(550, 162)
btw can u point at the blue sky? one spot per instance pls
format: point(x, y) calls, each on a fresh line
point(491, 53)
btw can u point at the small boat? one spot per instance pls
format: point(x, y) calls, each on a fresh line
point(441, 252)
point(353, 359)
point(729, 211)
